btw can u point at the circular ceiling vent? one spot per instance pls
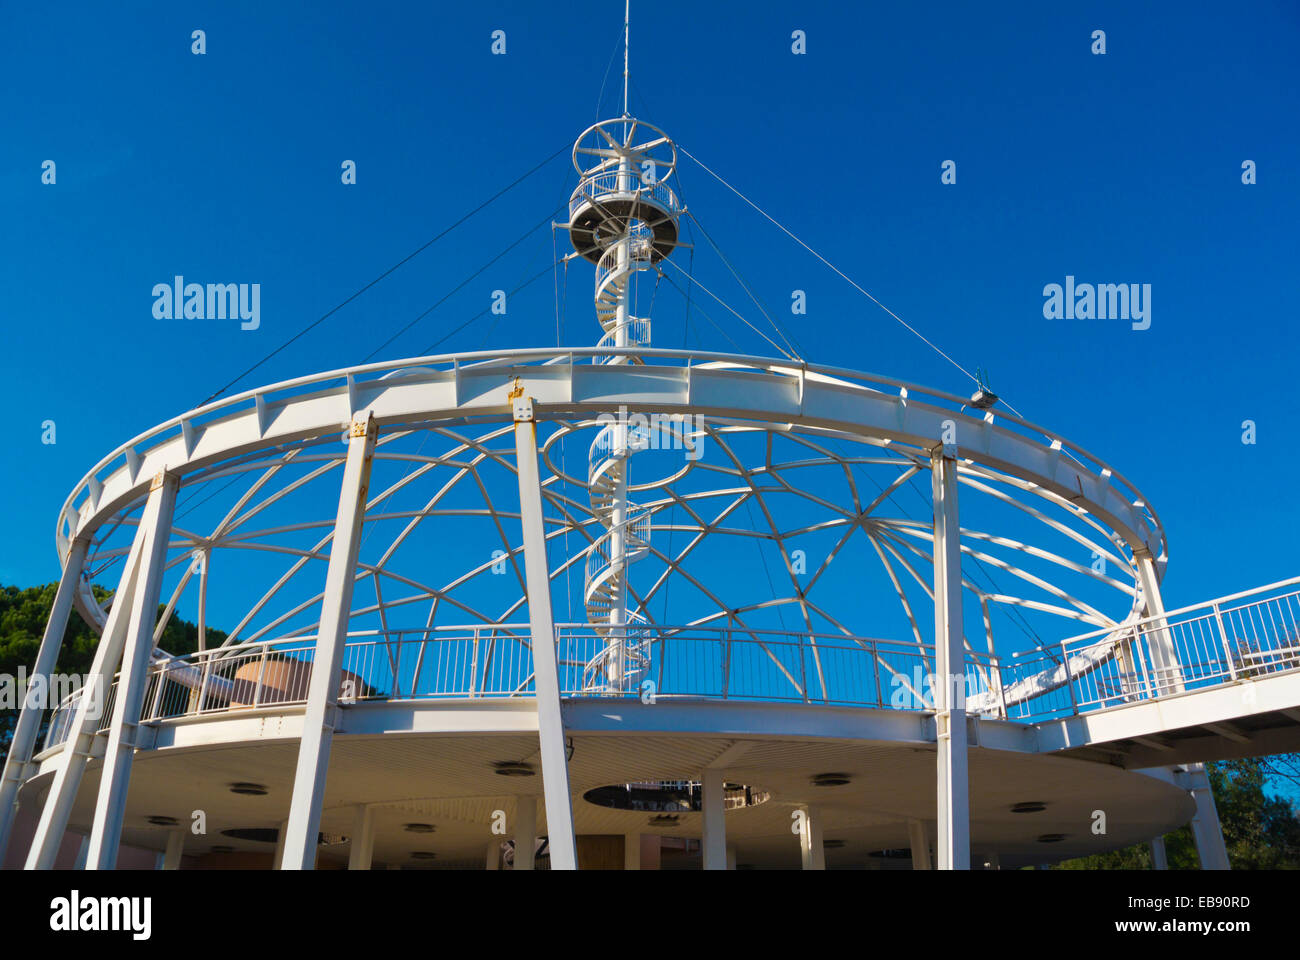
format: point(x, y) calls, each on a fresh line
point(259, 834)
point(831, 779)
point(423, 855)
point(671, 796)
point(419, 827)
point(513, 768)
point(1052, 837)
point(249, 789)
point(160, 821)
point(1030, 806)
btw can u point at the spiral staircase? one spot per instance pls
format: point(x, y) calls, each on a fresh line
point(623, 218)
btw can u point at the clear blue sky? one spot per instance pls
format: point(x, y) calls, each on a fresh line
point(1117, 168)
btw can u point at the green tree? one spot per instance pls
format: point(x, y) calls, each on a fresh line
point(23, 615)
point(1261, 832)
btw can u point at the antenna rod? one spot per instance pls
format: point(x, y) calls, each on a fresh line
point(627, 15)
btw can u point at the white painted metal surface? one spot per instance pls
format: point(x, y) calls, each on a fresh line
point(953, 778)
point(323, 689)
point(550, 720)
point(1138, 666)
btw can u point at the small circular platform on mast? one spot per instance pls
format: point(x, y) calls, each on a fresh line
point(624, 164)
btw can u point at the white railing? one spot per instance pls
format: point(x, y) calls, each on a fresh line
point(640, 257)
point(1240, 637)
point(638, 334)
point(83, 503)
point(496, 661)
point(613, 185)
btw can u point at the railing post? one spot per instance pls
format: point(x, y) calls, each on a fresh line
point(473, 664)
point(875, 666)
point(1223, 637)
point(995, 670)
point(156, 701)
point(1152, 691)
point(1069, 681)
point(203, 684)
point(261, 678)
point(726, 664)
point(803, 678)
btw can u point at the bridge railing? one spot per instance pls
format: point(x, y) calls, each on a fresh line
point(1239, 637)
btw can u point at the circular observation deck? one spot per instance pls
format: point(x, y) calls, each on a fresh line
point(623, 165)
point(431, 665)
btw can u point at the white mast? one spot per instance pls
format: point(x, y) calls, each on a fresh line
point(623, 218)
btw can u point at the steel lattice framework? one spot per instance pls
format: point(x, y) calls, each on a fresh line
point(722, 493)
point(403, 530)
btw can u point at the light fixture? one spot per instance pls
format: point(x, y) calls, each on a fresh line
point(513, 768)
point(249, 789)
point(1029, 806)
point(423, 855)
point(160, 821)
point(1052, 837)
point(831, 780)
point(419, 827)
point(665, 820)
point(260, 834)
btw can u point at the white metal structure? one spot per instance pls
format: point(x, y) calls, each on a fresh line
point(392, 647)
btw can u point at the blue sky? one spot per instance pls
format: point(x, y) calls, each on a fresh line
point(225, 167)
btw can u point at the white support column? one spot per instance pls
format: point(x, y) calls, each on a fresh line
point(950, 669)
point(363, 838)
point(1168, 671)
point(323, 688)
point(128, 704)
point(72, 759)
point(632, 851)
point(714, 843)
point(546, 677)
point(811, 847)
point(22, 744)
point(1206, 831)
point(277, 862)
point(83, 848)
point(525, 832)
point(1159, 858)
point(920, 845)
point(175, 847)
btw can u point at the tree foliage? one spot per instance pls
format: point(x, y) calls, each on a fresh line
point(23, 615)
point(1261, 831)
